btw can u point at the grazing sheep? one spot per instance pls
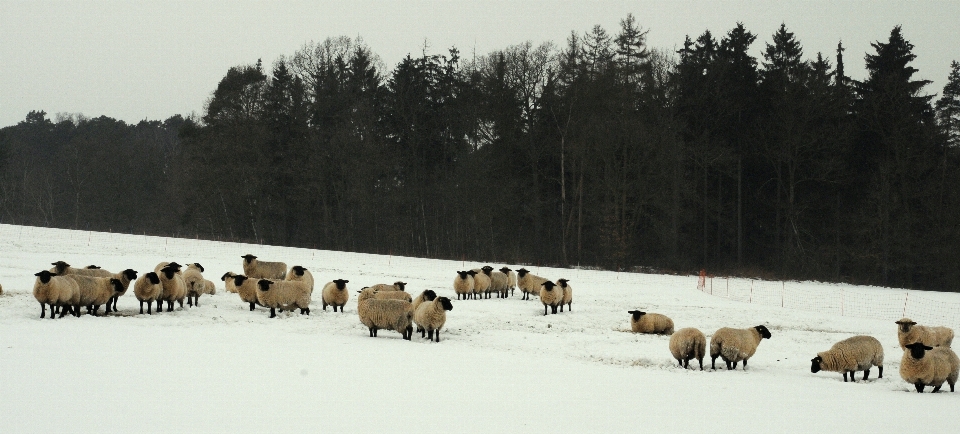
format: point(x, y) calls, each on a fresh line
point(923, 365)
point(858, 353)
point(148, 289)
point(688, 343)
point(61, 268)
point(298, 273)
point(256, 269)
point(96, 292)
point(125, 277)
point(550, 295)
point(285, 295)
point(481, 283)
point(397, 286)
point(431, 316)
point(567, 294)
point(499, 282)
point(426, 295)
point(734, 345)
point(529, 283)
point(194, 280)
point(379, 314)
point(511, 279)
point(247, 290)
point(55, 291)
point(335, 294)
point(174, 287)
point(463, 284)
point(654, 323)
point(228, 284)
point(909, 332)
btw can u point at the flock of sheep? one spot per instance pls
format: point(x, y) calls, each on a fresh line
point(927, 360)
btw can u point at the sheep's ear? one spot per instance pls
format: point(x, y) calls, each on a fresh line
point(927, 348)
point(912, 323)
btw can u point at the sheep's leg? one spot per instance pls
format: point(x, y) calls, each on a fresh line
point(919, 385)
point(881, 372)
point(170, 305)
point(731, 367)
point(76, 310)
point(159, 306)
point(181, 303)
point(561, 308)
point(544, 310)
point(745, 367)
point(430, 334)
point(937, 388)
point(371, 331)
point(43, 310)
point(570, 307)
point(713, 362)
point(844, 376)
point(115, 297)
point(701, 363)
point(325, 307)
point(190, 300)
point(438, 335)
point(251, 307)
point(273, 312)
point(952, 383)
point(866, 374)
point(64, 310)
point(141, 308)
point(409, 330)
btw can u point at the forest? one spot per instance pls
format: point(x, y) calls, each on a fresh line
point(595, 152)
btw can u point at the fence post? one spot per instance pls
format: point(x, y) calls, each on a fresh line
point(783, 287)
point(751, 290)
point(905, 298)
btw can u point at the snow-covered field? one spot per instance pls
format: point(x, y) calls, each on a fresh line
point(501, 366)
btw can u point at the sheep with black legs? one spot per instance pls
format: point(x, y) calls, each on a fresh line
point(430, 316)
point(284, 295)
point(511, 279)
point(909, 332)
point(567, 294)
point(257, 269)
point(652, 323)
point(734, 345)
point(528, 283)
point(426, 295)
point(378, 314)
point(923, 365)
point(463, 284)
point(53, 290)
point(148, 289)
point(96, 292)
point(859, 353)
point(688, 343)
point(481, 283)
point(298, 273)
point(550, 295)
point(174, 288)
point(499, 282)
point(335, 294)
point(246, 289)
point(125, 277)
point(194, 280)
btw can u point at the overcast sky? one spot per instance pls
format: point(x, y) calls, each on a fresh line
point(151, 59)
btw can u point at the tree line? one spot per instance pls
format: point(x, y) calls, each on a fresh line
point(600, 151)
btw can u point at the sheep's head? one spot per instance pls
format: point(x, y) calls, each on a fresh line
point(636, 314)
point(45, 276)
point(446, 303)
point(175, 266)
point(505, 270)
point(905, 324)
point(239, 279)
point(341, 284)
point(61, 266)
point(226, 275)
point(168, 271)
point(264, 284)
point(764, 333)
point(463, 274)
point(562, 282)
point(522, 272)
point(130, 274)
point(549, 285)
point(93, 267)
point(487, 269)
point(117, 285)
point(298, 270)
point(197, 265)
point(153, 278)
point(815, 367)
point(248, 258)
point(400, 285)
point(917, 350)
point(471, 272)
point(429, 295)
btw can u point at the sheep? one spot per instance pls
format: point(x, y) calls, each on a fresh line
point(858, 353)
point(379, 314)
point(567, 294)
point(511, 279)
point(397, 286)
point(528, 283)
point(256, 269)
point(392, 295)
point(148, 289)
point(923, 365)
point(550, 296)
point(426, 295)
point(228, 283)
point(499, 282)
point(298, 273)
point(909, 332)
point(61, 268)
point(335, 294)
point(194, 280)
point(654, 323)
point(463, 284)
point(163, 265)
point(285, 295)
point(734, 345)
point(481, 283)
point(688, 343)
point(430, 316)
point(125, 277)
point(95, 292)
point(55, 291)
point(246, 289)
point(174, 287)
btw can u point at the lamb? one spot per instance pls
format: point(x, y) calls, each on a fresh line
point(426, 295)
point(528, 283)
point(148, 289)
point(688, 343)
point(125, 277)
point(385, 314)
point(95, 292)
point(858, 353)
point(298, 273)
point(909, 332)
point(923, 365)
point(246, 289)
point(567, 294)
point(431, 316)
point(481, 283)
point(654, 323)
point(61, 268)
point(55, 291)
point(734, 345)
point(228, 282)
point(499, 282)
point(194, 280)
point(463, 284)
point(511, 279)
point(397, 286)
point(174, 287)
point(335, 294)
point(550, 295)
point(256, 269)
point(285, 295)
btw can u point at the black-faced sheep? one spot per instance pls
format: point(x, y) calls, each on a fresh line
point(653, 323)
point(734, 345)
point(284, 295)
point(430, 316)
point(909, 332)
point(463, 284)
point(923, 365)
point(257, 269)
point(335, 294)
point(567, 294)
point(550, 295)
point(850, 355)
point(378, 314)
point(148, 289)
point(529, 283)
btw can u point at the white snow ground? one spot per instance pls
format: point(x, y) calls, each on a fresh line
point(501, 366)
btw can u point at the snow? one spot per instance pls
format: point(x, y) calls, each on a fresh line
point(501, 366)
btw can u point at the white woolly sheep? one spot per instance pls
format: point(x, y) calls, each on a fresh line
point(652, 323)
point(298, 273)
point(397, 286)
point(481, 283)
point(426, 295)
point(61, 268)
point(164, 264)
point(909, 332)
point(174, 287)
point(55, 291)
point(148, 289)
point(194, 280)
point(96, 292)
point(228, 283)
point(850, 355)
point(529, 283)
point(734, 345)
point(431, 316)
point(392, 295)
point(209, 287)
point(125, 277)
point(923, 365)
point(335, 294)
point(550, 295)
point(378, 314)
point(246, 289)
point(499, 282)
point(567, 294)
point(688, 343)
point(257, 269)
point(511, 279)
point(285, 295)
point(463, 284)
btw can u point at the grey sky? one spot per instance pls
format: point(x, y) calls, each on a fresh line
point(153, 59)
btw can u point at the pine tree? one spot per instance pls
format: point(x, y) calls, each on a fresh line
point(948, 106)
